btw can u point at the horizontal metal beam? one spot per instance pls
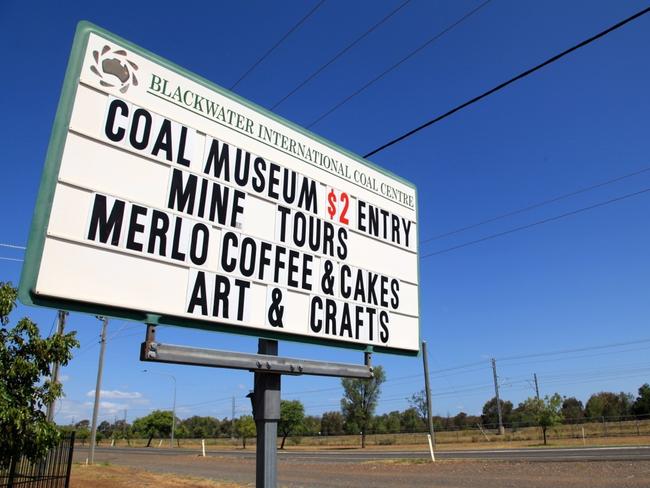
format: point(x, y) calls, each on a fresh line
point(169, 353)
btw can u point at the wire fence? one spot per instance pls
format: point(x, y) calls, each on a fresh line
point(630, 429)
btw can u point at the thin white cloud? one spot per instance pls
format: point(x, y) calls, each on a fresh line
point(109, 408)
point(116, 394)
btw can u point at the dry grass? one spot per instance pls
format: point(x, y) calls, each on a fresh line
point(102, 476)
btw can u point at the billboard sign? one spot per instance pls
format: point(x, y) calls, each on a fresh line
point(168, 199)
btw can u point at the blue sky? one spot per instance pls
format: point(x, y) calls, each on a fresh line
point(574, 283)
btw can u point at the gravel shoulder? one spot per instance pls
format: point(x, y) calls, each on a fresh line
point(387, 474)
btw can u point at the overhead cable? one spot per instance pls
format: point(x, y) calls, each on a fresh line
point(539, 222)
point(401, 61)
point(569, 351)
point(339, 54)
point(536, 205)
point(282, 39)
point(510, 81)
point(11, 259)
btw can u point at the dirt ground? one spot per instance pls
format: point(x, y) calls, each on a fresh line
point(102, 476)
point(442, 474)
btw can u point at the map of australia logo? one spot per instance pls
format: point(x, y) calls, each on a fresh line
point(114, 69)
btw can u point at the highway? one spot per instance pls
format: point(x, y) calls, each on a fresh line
point(622, 453)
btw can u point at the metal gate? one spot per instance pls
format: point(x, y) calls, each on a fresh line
point(53, 471)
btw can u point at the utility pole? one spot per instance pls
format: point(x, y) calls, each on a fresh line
point(496, 394)
point(427, 388)
point(98, 388)
point(232, 420)
point(536, 385)
point(57, 367)
point(125, 431)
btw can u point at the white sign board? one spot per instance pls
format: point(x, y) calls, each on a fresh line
point(168, 199)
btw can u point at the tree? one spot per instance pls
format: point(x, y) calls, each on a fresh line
point(226, 428)
point(545, 413)
point(25, 387)
point(311, 425)
point(490, 413)
point(197, 427)
point(360, 400)
point(292, 414)
point(411, 421)
point(331, 423)
point(388, 423)
point(82, 434)
point(641, 405)
point(157, 424)
point(245, 427)
point(105, 429)
point(460, 420)
point(572, 410)
point(122, 430)
point(393, 422)
point(418, 401)
point(609, 404)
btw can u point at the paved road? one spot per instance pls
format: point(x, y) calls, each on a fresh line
point(354, 455)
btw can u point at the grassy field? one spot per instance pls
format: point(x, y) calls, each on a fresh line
point(595, 434)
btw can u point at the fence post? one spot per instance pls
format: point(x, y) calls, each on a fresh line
point(70, 453)
point(604, 427)
point(12, 472)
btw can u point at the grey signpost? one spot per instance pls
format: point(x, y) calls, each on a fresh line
point(268, 369)
point(266, 411)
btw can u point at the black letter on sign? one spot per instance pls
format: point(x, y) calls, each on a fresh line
point(315, 325)
point(108, 226)
point(181, 195)
point(221, 291)
point(135, 228)
point(241, 300)
point(276, 310)
point(327, 280)
point(199, 293)
point(109, 130)
point(164, 141)
point(383, 323)
point(146, 131)
point(201, 258)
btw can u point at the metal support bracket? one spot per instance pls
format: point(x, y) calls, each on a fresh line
point(153, 351)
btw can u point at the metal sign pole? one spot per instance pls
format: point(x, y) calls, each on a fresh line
point(266, 411)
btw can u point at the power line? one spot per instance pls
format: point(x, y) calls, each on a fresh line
point(401, 61)
point(339, 54)
point(12, 246)
point(210, 402)
point(282, 39)
point(539, 222)
point(11, 259)
point(570, 351)
point(583, 356)
point(510, 81)
point(536, 205)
